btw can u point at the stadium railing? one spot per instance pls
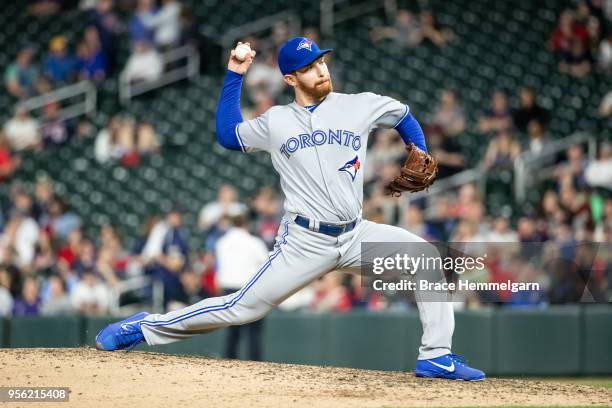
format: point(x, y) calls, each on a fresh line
point(136, 284)
point(528, 166)
point(229, 38)
point(448, 184)
point(329, 17)
point(75, 100)
point(129, 89)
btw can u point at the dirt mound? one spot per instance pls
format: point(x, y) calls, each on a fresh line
point(137, 379)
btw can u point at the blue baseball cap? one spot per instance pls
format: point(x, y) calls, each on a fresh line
point(297, 53)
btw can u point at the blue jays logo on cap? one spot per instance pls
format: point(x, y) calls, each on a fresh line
point(297, 53)
point(305, 43)
point(351, 167)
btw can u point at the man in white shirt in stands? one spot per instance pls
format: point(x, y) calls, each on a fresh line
point(145, 63)
point(22, 131)
point(239, 254)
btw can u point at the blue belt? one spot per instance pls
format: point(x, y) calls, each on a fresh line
point(333, 230)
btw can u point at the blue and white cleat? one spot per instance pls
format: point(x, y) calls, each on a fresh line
point(125, 334)
point(449, 366)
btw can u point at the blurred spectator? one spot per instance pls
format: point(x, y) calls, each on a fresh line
point(108, 27)
point(70, 252)
point(431, 32)
point(281, 33)
point(449, 116)
point(414, 221)
point(145, 63)
point(22, 130)
point(267, 207)
point(166, 236)
point(29, 303)
point(448, 152)
point(271, 44)
point(152, 246)
point(598, 173)
point(166, 24)
point(468, 198)
point(604, 55)
point(6, 299)
point(498, 118)
point(137, 27)
point(330, 294)
point(147, 142)
point(594, 30)
point(573, 167)
point(577, 62)
point(263, 101)
point(233, 272)
point(84, 257)
point(106, 146)
point(62, 221)
point(567, 32)
point(60, 67)
point(603, 230)
point(43, 196)
point(21, 231)
point(90, 296)
point(22, 78)
point(227, 204)
point(406, 31)
point(502, 151)
point(189, 30)
point(529, 110)
point(112, 261)
point(605, 108)
point(91, 61)
point(169, 272)
point(502, 232)
point(177, 237)
point(126, 141)
point(265, 76)
point(55, 130)
point(8, 163)
point(45, 262)
point(43, 8)
point(57, 302)
point(538, 141)
point(191, 287)
point(387, 147)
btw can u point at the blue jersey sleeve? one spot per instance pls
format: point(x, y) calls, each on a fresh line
point(228, 115)
point(411, 132)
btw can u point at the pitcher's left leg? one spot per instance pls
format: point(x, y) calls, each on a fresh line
point(437, 317)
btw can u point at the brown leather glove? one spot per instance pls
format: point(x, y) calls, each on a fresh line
point(418, 173)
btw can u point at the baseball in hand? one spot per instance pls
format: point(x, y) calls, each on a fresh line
point(241, 52)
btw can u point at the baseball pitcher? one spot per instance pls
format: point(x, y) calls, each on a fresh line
point(318, 147)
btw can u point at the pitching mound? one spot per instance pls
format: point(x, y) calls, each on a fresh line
point(101, 379)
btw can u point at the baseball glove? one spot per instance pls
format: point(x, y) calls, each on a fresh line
point(418, 173)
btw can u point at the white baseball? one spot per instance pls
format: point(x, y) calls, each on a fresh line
point(241, 52)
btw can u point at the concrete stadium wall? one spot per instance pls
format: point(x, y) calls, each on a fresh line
point(565, 340)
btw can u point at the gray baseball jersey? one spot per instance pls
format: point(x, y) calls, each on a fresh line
point(319, 155)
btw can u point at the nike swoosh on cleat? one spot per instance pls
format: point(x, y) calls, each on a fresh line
point(449, 368)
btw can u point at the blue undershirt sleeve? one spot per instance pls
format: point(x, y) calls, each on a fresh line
point(411, 132)
point(228, 115)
